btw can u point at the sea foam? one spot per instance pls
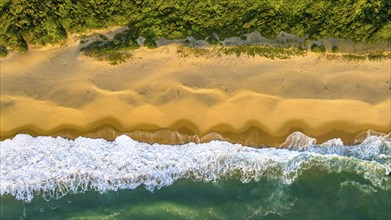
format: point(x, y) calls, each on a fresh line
point(54, 167)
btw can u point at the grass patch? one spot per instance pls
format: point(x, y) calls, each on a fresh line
point(378, 56)
point(373, 56)
point(263, 51)
point(353, 57)
point(249, 50)
point(186, 51)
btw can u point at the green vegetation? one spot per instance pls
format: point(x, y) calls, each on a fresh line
point(272, 52)
point(335, 49)
point(120, 48)
point(318, 49)
point(150, 43)
point(353, 57)
point(115, 51)
point(40, 22)
point(3, 51)
point(212, 40)
point(377, 56)
point(185, 51)
point(249, 50)
point(243, 37)
point(263, 51)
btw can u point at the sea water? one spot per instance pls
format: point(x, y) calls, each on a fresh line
point(57, 178)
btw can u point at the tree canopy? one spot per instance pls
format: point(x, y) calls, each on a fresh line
point(39, 22)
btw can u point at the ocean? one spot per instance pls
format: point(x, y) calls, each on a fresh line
point(56, 178)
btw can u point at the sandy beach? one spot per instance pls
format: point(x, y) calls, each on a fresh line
point(162, 97)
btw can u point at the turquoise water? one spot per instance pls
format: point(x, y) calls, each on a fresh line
point(315, 194)
point(55, 178)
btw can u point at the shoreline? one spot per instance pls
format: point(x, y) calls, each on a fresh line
point(252, 137)
point(229, 120)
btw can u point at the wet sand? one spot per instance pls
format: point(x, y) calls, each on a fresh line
point(161, 97)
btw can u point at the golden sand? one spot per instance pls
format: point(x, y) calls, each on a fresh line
point(161, 97)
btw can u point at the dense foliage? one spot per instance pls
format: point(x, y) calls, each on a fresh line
point(25, 22)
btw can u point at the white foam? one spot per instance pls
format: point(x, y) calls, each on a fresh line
point(55, 167)
point(298, 141)
point(362, 187)
point(332, 142)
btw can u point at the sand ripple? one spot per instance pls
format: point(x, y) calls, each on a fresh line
point(161, 97)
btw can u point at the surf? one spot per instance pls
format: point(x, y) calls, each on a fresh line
point(55, 167)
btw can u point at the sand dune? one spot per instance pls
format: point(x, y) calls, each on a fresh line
point(161, 97)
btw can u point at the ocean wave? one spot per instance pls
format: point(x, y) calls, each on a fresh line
point(55, 167)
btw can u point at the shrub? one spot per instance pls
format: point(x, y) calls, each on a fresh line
point(335, 49)
point(212, 40)
point(318, 49)
point(150, 43)
point(3, 51)
point(115, 51)
point(102, 37)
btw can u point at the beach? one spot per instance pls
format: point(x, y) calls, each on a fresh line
point(168, 136)
point(161, 97)
point(195, 110)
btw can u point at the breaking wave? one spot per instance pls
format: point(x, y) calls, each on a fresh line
point(55, 167)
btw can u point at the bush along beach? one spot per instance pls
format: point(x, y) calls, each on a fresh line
point(35, 22)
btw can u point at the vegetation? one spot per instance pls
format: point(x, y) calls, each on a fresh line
point(353, 57)
point(120, 48)
point(335, 49)
point(378, 56)
point(185, 51)
point(272, 52)
point(212, 40)
point(249, 50)
point(243, 37)
point(25, 22)
point(264, 51)
point(150, 43)
point(115, 51)
point(3, 51)
point(318, 49)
